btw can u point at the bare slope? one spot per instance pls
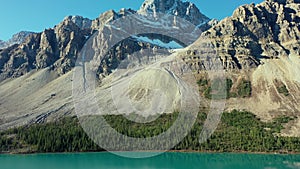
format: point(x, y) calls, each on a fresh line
point(259, 42)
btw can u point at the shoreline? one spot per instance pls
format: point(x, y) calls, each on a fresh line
point(261, 142)
point(159, 151)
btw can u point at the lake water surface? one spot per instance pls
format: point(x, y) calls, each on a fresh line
point(164, 161)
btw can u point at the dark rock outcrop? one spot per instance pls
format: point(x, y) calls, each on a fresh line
point(268, 30)
point(58, 48)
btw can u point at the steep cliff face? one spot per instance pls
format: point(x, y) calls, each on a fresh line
point(275, 24)
point(81, 22)
point(185, 10)
point(55, 48)
point(267, 30)
point(259, 43)
point(58, 47)
point(35, 76)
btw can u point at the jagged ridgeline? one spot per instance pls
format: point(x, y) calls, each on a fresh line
point(58, 47)
point(258, 47)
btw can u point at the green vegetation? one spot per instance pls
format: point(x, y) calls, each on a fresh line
point(237, 131)
point(202, 82)
point(222, 89)
point(281, 87)
point(283, 90)
point(242, 131)
point(217, 89)
point(244, 89)
point(63, 136)
point(141, 130)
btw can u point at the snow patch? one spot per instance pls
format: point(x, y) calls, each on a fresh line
point(169, 45)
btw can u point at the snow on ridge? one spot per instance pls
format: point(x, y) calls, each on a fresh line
point(170, 45)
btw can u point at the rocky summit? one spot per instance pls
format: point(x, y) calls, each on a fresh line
point(46, 59)
point(17, 38)
point(54, 48)
point(185, 10)
point(258, 48)
point(259, 43)
point(267, 30)
point(58, 47)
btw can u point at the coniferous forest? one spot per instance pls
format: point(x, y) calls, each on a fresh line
point(238, 131)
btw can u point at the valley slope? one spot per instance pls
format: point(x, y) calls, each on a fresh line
point(259, 44)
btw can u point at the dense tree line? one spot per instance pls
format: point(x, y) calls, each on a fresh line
point(65, 135)
point(223, 88)
point(237, 131)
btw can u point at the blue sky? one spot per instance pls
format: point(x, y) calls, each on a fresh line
point(36, 15)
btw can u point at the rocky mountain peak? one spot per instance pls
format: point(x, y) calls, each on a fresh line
point(17, 38)
point(256, 33)
point(104, 18)
point(125, 11)
point(109, 16)
point(67, 25)
point(284, 1)
point(81, 22)
point(185, 10)
point(163, 6)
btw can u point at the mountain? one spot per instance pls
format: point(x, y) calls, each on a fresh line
point(39, 69)
point(17, 38)
point(258, 47)
point(53, 46)
point(110, 16)
point(58, 47)
point(81, 22)
point(185, 10)
point(267, 30)
point(2, 44)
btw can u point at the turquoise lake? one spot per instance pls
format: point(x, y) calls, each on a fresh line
point(163, 161)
